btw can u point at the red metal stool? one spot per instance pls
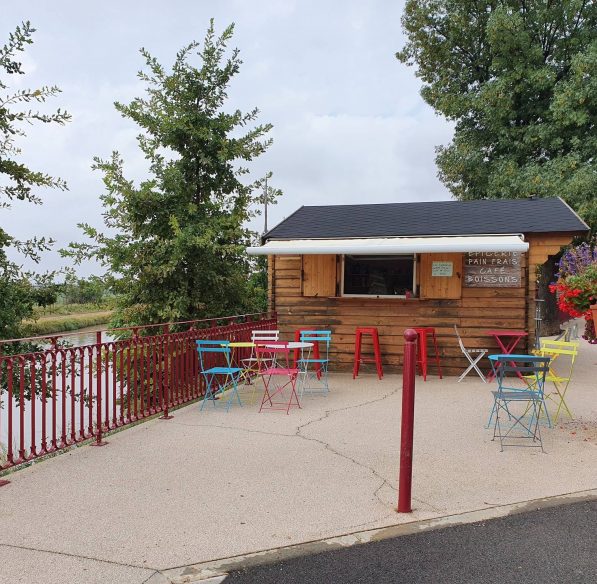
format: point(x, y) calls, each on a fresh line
point(422, 333)
point(360, 331)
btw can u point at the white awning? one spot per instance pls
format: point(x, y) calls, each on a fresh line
point(393, 245)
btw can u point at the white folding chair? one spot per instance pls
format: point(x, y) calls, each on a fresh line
point(473, 356)
point(251, 364)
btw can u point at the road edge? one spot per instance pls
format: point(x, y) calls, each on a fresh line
point(215, 570)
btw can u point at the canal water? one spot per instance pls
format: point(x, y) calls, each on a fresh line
point(80, 338)
point(87, 336)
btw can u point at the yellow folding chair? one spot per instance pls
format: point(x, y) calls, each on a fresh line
point(563, 355)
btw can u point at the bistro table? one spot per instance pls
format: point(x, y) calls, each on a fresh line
point(236, 362)
point(507, 340)
point(292, 345)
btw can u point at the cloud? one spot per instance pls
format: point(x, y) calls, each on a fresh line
point(349, 124)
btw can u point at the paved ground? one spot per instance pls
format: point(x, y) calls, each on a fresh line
point(206, 486)
point(529, 547)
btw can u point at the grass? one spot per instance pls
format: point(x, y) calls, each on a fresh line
point(68, 309)
point(63, 323)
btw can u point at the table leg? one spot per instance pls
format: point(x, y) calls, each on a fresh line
point(507, 349)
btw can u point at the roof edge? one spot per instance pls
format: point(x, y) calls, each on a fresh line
point(263, 238)
point(575, 213)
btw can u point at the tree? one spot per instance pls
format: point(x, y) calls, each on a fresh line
point(90, 290)
point(179, 245)
point(519, 79)
point(17, 181)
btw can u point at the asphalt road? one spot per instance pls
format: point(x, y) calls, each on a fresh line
point(557, 544)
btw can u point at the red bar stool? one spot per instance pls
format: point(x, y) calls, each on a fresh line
point(422, 333)
point(360, 331)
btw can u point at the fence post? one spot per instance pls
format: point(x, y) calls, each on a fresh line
point(407, 426)
point(98, 375)
point(166, 374)
point(2, 482)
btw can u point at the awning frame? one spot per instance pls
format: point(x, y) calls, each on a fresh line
point(394, 245)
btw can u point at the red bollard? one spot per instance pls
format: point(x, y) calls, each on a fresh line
point(408, 422)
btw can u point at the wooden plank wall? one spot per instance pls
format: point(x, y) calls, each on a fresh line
point(478, 310)
point(541, 246)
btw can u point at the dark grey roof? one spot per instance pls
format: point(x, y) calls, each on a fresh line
point(495, 216)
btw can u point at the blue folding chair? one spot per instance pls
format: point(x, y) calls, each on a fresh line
point(218, 379)
point(518, 408)
point(314, 371)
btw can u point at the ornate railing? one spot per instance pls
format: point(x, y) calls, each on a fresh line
point(64, 395)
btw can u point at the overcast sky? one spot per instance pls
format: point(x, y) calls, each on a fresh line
point(349, 123)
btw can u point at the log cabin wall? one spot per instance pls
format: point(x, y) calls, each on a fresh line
point(474, 312)
point(541, 247)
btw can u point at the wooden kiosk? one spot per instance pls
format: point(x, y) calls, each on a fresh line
point(473, 264)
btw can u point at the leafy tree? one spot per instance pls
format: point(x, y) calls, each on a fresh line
point(90, 290)
point(17, 181)
point(519, 79)
point(178, 248)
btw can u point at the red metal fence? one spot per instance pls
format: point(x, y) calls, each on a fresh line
point(61, 396)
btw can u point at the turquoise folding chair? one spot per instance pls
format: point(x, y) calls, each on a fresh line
point(218, 378)
point(519, 408)
point(314, 371)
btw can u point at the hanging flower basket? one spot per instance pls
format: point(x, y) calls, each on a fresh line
point(576, 286)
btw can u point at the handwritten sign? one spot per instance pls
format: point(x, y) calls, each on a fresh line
point(442, 268)
point(498, 269)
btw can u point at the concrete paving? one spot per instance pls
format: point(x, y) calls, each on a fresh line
point(206, 486)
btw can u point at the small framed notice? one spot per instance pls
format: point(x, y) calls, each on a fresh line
point(445, 269)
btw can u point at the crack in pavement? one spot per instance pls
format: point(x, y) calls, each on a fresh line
point(298, 434)
point(384, 480)
point(329, 447)
point(326, 445)
point(78, 556)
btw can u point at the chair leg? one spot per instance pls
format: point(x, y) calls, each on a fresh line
point(209, 393)
point(357, 355)
point(377, 354)
point(562, 403)
point(292, 393)
point(234, 392)
point(473, 365)
point(439, 367)
point(266, 395)
point(422, 361)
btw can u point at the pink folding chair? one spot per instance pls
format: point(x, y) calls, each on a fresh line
point(279, 378)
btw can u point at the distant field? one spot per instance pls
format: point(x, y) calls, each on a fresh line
point(68, 317)
point(69, 309)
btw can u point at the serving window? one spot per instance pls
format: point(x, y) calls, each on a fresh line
point(389, 276)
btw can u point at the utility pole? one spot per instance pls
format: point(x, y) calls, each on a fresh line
point(265, 206)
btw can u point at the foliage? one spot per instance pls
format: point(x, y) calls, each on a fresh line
point(90, 290)
point(18, 182)
point(45, 296)
point(576, 259)
point(181, 235)
point(576, 285)
point(258, 283)
point(519, 79)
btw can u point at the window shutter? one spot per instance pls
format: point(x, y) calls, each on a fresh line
point(319, 275)
point(441, 286)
